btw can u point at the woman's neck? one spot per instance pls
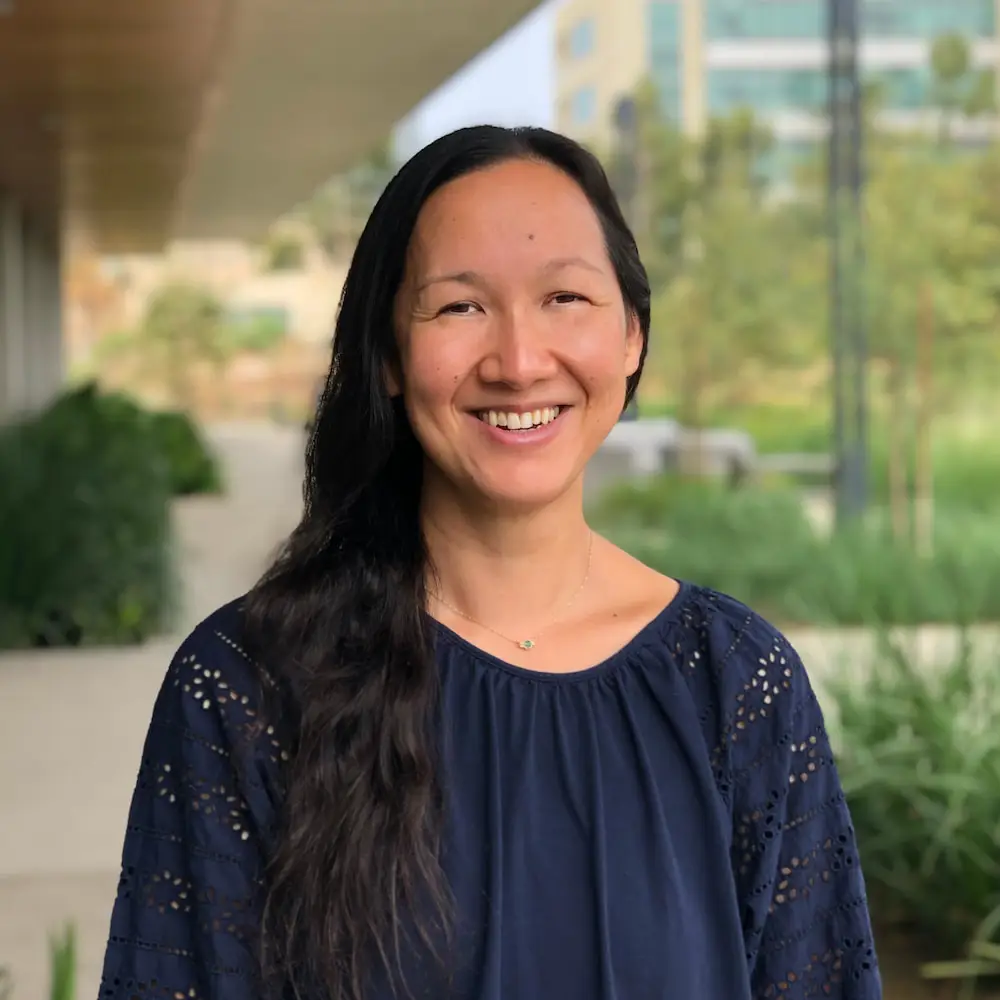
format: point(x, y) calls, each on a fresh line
point(506, 568)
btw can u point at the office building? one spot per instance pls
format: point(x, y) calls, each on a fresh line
point(709, 57)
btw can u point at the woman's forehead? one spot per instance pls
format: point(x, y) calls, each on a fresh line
point(530, 210)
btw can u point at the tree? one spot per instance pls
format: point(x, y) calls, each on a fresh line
point(182, 330)
point(338, 211)
point(748, 302)
point(718, 255)
point(648, 170)
point(957, 87)
point(735, 145)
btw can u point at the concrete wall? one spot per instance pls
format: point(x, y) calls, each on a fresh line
point(31, 365)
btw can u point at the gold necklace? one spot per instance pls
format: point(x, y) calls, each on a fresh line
point(521, 643)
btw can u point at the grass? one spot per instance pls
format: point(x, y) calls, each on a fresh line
point(62, 967)
point(62, 962)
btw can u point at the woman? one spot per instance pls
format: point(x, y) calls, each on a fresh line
point(454, 744)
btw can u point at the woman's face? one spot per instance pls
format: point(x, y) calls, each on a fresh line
point(514, 341)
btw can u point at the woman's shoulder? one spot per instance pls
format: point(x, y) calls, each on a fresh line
point(213, 654)
point(212, 687)
point(734, 636)
point(747, 679)
point(709, 633)
point(220, 634)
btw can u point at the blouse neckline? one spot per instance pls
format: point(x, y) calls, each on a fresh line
point(647, 633)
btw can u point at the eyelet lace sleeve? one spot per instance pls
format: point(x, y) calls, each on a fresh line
point(186, 914)
point(802, 894)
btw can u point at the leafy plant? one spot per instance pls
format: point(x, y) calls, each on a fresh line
point(62, 963)
point(919, 757)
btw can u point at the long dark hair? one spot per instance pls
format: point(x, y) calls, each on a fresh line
point(338, 619)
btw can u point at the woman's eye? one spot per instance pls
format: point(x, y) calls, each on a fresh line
point(460, 309)
point(565, 298)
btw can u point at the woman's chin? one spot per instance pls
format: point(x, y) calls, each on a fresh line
point(527, 493)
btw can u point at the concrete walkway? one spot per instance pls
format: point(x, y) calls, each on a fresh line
point(72, 723)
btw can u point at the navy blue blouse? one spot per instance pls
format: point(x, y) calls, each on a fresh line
point(668, 823)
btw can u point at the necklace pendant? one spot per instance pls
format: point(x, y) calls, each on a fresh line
point(527, 644)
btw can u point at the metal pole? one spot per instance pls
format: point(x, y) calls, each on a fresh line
point(625, 127)
point(630, 179)
point(847, 306)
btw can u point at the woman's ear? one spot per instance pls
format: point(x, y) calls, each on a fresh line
point(633, 345)
point(393, 383)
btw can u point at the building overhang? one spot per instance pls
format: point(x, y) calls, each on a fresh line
point(132, 124)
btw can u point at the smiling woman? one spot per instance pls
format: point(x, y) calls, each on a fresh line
point(455, 744)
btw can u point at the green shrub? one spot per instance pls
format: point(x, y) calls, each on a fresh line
point(919, 756)
point(193, 468)
point(759, 546)
point(85, 554)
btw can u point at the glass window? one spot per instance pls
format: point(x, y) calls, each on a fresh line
point(904, 89)
point(746, 19)
point(736, 19)
point(582, 38)
point(583, 106)
point(664, 40)
point(767, 90)
point(927, 18)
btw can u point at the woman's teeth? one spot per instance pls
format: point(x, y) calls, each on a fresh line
point(519, 421)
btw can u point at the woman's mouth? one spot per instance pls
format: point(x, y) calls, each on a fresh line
point(514, 420)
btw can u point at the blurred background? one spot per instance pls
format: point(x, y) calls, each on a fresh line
point(815, 186)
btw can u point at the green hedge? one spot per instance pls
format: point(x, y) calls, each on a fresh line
point(85, 552)
point(758, 545)
point(193, 468)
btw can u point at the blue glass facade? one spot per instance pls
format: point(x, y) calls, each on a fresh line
point(748, 19)
point(773, 90)
point(761, 19)
point(664, 39)
point(768, 90)
point(928, 18)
